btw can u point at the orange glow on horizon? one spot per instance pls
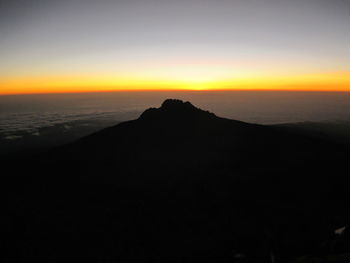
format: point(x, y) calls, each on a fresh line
point(336, 81)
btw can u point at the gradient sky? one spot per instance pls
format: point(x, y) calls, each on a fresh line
point(85, 45)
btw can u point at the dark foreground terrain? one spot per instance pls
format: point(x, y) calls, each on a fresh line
point(179, 184)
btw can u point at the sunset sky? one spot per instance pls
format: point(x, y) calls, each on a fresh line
point(85, 45)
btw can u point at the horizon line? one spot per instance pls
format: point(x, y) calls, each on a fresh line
point(177, 90)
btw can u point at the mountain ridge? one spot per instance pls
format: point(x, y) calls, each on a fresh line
point(175, 108)
point(182, 120)
point(180, 184)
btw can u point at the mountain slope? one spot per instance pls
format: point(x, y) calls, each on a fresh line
point(178, 126)
point(178, 184)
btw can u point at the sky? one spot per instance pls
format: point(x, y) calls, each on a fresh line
point(85, 45)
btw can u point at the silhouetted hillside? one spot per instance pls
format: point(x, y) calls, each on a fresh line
point(332, 131)
point(178, 184)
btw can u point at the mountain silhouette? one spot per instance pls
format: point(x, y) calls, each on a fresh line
point(172, 109)
point(178, 184)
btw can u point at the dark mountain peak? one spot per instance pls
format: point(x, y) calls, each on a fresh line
point(175, 104)
point(175, 109)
